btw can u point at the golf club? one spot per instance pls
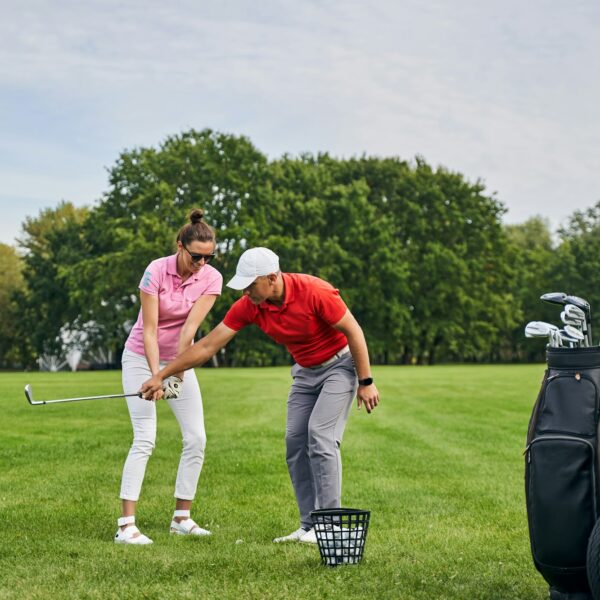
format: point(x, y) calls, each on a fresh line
point(556, 340)
point(563, 299)
point(575, 322)
point(540, 329)
point(554, 297)
point(572, 315)
point(574, 333)
point(567, 338)
point(584, 305)
point(29, 395)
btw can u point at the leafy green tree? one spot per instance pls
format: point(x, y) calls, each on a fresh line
point(449, 238)
point(327, 226)
point(13, 350)
point(575, 268)
point(151, 194)
point(533, 259)
point(51, 244)
point(419, 254)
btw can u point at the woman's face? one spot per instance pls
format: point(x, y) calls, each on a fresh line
point(196, 254)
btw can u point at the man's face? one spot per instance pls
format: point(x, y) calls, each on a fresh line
point(259, 290)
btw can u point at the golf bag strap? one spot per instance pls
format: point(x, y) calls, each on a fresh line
point(182, 513)
point(125, 521)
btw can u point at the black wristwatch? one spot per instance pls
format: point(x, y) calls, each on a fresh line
point(365, 381)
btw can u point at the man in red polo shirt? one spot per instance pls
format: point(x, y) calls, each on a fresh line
point(308, 316)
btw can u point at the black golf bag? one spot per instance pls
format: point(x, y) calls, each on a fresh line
point(562, 476)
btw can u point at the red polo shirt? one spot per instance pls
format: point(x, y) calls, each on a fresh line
point(303, 323)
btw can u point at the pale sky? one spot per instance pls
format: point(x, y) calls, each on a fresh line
point(503, 91)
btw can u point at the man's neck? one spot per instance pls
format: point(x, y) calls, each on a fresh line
point(278, 296)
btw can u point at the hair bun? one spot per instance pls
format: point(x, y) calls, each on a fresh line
point(196, 216)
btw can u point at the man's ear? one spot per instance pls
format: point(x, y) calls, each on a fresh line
point(272, 277)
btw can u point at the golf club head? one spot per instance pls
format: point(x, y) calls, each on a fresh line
point(565, 337)
point(29, 396)
point(535, 329)
point(579, 302)
point(554, 297)
point(573, 322)
point(574, 333)
point(574, 312)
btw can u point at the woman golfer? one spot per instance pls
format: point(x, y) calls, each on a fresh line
point(307, 315)
point(176, 294)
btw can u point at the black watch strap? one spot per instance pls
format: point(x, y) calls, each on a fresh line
point(365, 381)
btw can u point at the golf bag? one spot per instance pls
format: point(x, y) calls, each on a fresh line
point(561, 473)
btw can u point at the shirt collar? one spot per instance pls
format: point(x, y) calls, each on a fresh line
point(290, 290)
point(172, 270)
point(290, 295)
point(172, 265)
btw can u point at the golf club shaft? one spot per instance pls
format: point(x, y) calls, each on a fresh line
point(85, 398)
point(29, 395)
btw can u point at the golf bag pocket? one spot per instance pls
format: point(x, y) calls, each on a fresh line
point(568, 405)
point(561, 503)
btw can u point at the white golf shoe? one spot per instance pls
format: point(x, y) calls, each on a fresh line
point(309, 537)
point(128, 535)
point(188, 526)
point(295, 536)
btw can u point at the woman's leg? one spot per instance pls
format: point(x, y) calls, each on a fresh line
point(189, 413)
point(143, 420)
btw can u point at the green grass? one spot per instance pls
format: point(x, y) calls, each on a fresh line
point(439, 464)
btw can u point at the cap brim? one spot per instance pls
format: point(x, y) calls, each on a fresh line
point(240, 283)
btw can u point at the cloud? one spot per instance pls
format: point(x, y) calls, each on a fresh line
point(502, 91)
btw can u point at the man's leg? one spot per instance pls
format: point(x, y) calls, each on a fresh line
point(326, 429)
point(301, 402)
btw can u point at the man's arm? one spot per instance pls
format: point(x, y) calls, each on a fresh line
point(366, 394)
point(194, 319)
point(194, 356)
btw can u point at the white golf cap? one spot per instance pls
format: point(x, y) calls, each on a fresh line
point(252, 264)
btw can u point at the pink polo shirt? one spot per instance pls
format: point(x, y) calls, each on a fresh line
point(175, 300)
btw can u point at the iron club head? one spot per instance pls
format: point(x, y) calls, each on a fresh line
point(574, 333)
point(539, 329)
point(554, 297)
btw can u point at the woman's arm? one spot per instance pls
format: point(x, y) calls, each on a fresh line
point(150, 318)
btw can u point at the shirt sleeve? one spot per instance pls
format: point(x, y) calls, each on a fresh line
point(150, 282)
point(329, 304)
point(240, 314)
point(214, 284)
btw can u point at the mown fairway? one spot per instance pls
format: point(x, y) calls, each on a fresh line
point(439, 464)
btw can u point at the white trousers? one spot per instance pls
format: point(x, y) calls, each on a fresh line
point(190, 416)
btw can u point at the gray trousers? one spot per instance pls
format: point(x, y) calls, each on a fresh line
point(317, 411)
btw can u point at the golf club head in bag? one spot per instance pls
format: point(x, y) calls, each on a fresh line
point(574, 333)
point(554, 298)
point(541, 329)
point(563, 299)
point(584, 305)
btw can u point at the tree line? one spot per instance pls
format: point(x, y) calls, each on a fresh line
point(420, 254)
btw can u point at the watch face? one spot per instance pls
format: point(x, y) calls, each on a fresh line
point(366, 381)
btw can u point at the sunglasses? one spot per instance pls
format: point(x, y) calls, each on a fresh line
point(198, 257)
